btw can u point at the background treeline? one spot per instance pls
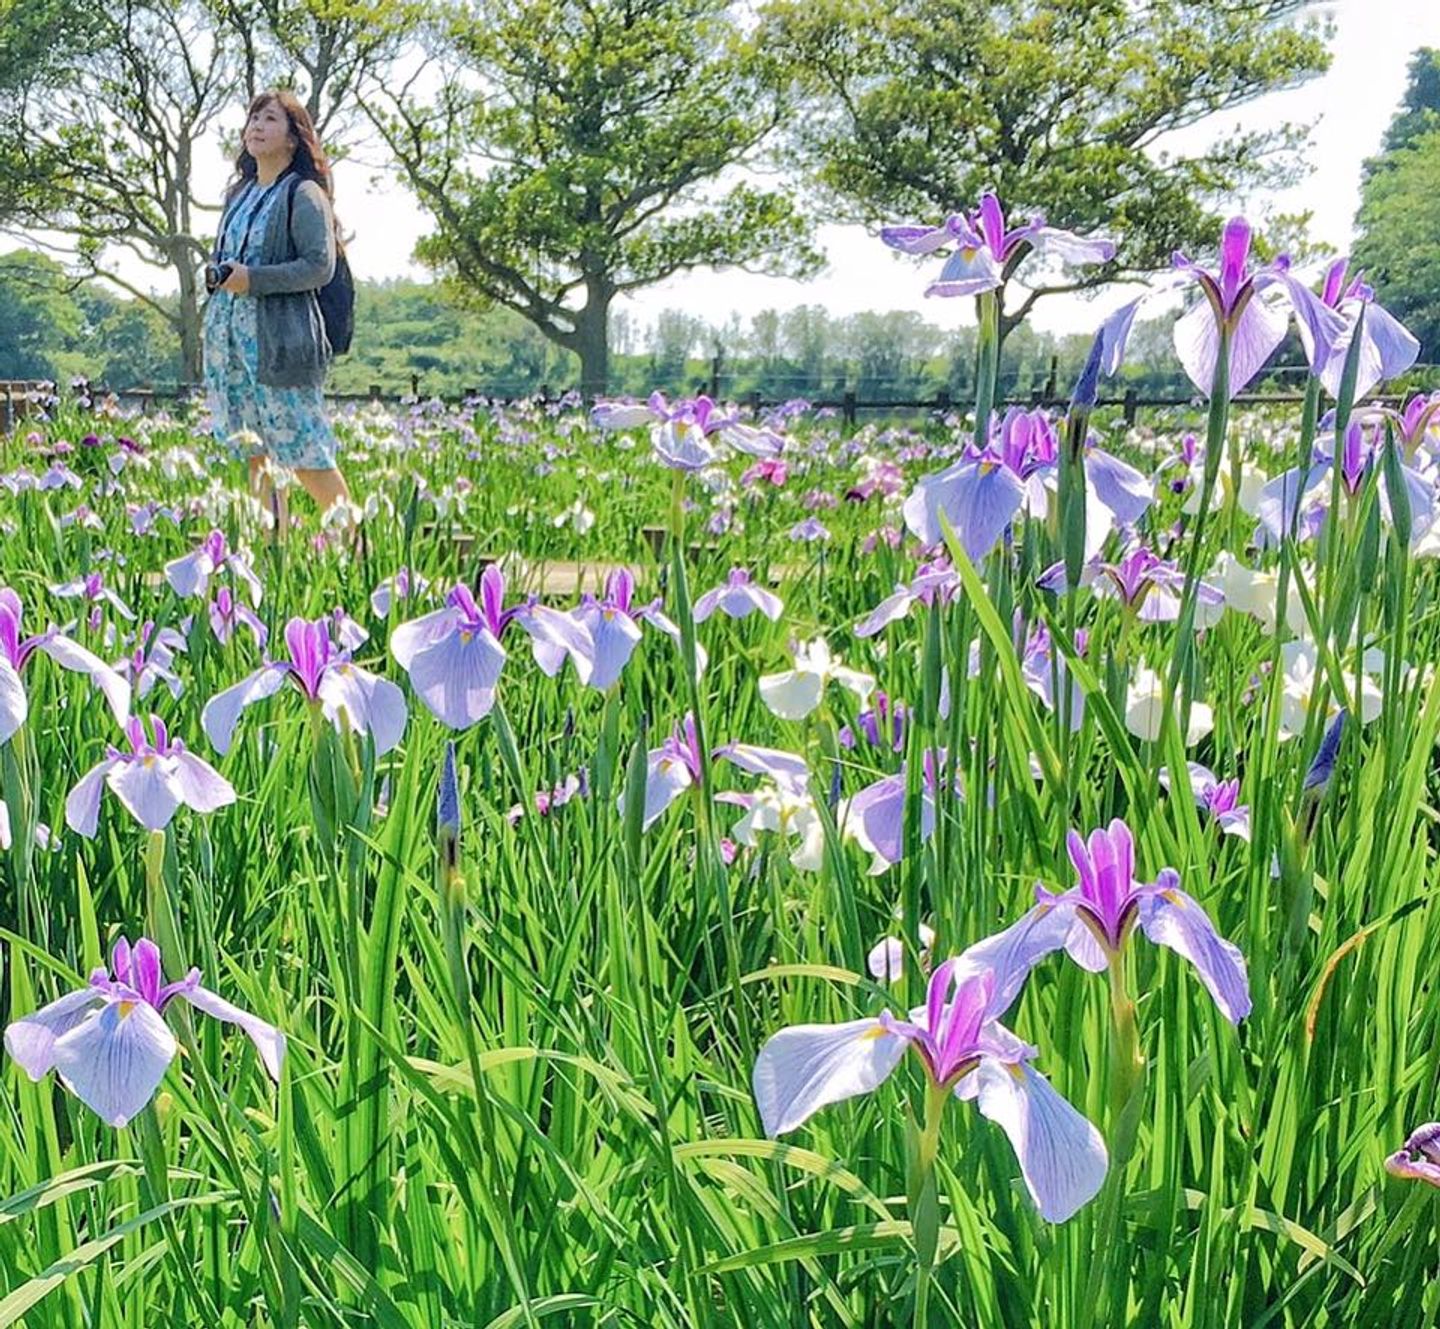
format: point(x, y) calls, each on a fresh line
point(57, 329)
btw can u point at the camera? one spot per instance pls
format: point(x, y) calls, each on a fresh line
point(216, 275)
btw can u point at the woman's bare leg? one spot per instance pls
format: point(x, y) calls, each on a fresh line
point(326, 487)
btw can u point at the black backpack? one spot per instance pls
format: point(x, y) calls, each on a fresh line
point(337, 297)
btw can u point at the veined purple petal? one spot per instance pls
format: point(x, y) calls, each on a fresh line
point(201, 787)
point(979, 498)
point(1317, 322)
point(926, 239)
point(614, 636)
point(967, 272)
point(30, 1040)
point(222, 711)
point(1387, 349)
point(374, 705)
point(143, 786)
point(810, 1066)
point(1011, 955)
point(114, 1061)
point(876, 817)
point(556, 635)
point(666, 778)
point(420, 634)
point(890, 610)
point(1118, 485)
point(82, 804)
point(1062, 1155)
point(13, 705)
point(269, 1041)
point(190, 574)
point(1072, 248)
point(456, 676)
point(71, 655)
point(1234, 260)
point(1171, 918)
point(789, 770)
point(620, 414)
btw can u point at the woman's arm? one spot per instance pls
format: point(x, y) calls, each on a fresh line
point(313, 231)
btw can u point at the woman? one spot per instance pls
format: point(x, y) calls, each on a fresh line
point(265, 346)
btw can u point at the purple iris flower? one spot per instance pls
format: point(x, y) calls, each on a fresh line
point(737, 598)
point(963, 1048)
point(1220, 798)
point(809, 531)
point(109, 1042)
point(982, 247)
point(1419, 1158)
point(151, 659)
point(454, 656)
point(1043, 669)
point(987, 488)
point(404, 585)
point(325, 677)
point(152, 780)
point(1144, 582)
point(190, 574)
point(883, 725)
point(92, 589)
point(685, 436)
point(1234, 302)
point(1387, 349)
point(1093, 921)
point(16, 651)
point(936, 578)
point(1359, 452)
point(875, 816)
point(612, 622)
point(675, 766)
point(227, 614)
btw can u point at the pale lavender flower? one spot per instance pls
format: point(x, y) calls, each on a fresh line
point(227, 614)
point(1220, 798)
point(92, 589)
point(1419, 1158)
point(16, 651)
point(963, 1048)
point(612, 621)
point(403, 585)
point(982, 248)
point(153, 781)
point(151, 659)
point(326, 678)
point(109, 1042)
point(190, 574)
point(737, 598)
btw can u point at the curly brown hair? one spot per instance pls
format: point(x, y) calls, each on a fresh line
point(310, 162)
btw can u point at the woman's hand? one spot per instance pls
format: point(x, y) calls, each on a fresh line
point(238, 282)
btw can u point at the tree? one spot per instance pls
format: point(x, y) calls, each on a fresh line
point(574, 152)
point(1398, 225)
point(915, 107)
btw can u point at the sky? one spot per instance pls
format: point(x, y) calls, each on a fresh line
point(1350, 107)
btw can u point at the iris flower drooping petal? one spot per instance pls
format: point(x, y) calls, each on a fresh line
point(963, 1049)
point(109, 1042)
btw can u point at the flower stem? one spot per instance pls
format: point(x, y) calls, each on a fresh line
point(925, 1199)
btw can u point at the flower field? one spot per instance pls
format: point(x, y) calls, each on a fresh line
point(648, 866)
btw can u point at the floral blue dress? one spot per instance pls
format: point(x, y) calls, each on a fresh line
point(291, 422)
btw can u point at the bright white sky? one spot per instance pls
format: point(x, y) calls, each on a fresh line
point(1350, 107)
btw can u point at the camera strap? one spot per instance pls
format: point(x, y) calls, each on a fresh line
point(225, 228)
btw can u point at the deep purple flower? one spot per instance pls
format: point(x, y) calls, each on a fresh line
point(109, 1042)
point(227, 614)
point(325, 677)
point(151, 659)
point(875, 817)
point(16, 651)
point(92, 589)
point(1220, 798)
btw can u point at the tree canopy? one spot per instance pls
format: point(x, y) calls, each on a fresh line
point(575, 152)
point(1398, 225)
point(1062, 107)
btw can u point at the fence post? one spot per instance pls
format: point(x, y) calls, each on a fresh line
point(1130, 407)
point(942, 401)
point(753, 401)
point(7, 412)
point(1052, 379)
point(715, 376)
point(847, 408)
point(415, 386)
point(374, 392)
point(544, 392)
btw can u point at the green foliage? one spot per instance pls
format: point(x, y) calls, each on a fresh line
point(917, 106)
point(1398, 224)
point(577, 155)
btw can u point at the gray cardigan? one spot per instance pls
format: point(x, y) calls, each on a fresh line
point(293, 348)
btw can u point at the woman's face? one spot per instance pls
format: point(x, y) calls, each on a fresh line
point(268, 132)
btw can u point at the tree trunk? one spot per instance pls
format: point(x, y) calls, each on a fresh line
point(188, 319)
point(592, 344)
